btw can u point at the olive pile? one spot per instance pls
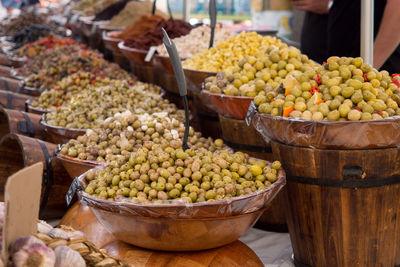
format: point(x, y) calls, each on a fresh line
point(342, 89)
point(259, 73)
point(88, 109)
point(83, 60)
point(124, 133)
point(166, 172)
point(226, 55)
point(75, 84)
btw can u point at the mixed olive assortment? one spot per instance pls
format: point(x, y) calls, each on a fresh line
point(89, 109)
point(167, 172)
point(340, 90)
point(261, 72)
point(226, 55)
point(73, 85)
point(118, 136)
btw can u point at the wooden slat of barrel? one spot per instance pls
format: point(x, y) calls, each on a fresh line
point(240, 137)
point(20, 122)
point(333, 220)
point(12, 100)
point(4, 60)
point(9, 84)
point(5, 71)
point(81, 218)
point(17, 152)
point(244, 138)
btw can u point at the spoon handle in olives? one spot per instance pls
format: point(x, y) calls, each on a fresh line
point(180, 78)
point(212, 9)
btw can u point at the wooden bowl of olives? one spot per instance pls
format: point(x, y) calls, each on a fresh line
point(60, 135)
point(174, 224)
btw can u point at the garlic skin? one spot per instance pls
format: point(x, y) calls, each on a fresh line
point(65, 232)
point(24, 242)
point(44, 227)
point(66, 257)
point(35, 255)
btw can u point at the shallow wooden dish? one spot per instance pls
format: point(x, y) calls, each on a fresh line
point(75, 167)
point(234, 107)
point(182, 226)
point(61, 135)
point(195, 78)
point(330, 134)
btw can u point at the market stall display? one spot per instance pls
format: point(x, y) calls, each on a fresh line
point(274, 139)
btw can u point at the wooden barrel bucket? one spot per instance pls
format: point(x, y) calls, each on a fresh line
point(5, 71)
point(17, 152)
point(342, 205)
point(240, 137)
point(81, 218)
point(12, 85)
point(12, 100)
point(4, 60)
point(23, 123)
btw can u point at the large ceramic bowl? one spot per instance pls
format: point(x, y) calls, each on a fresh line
point(182, 226)
point(330, 134)
point(195, 78)
point(234, 107)
point(75, 167)
point(111, 43)
point(144, 70)
point(61, 135)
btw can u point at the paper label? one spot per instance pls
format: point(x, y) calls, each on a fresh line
point(150, 53)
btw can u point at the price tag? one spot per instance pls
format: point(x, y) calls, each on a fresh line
point(250, 113)
point(93, 28)
point(66, 11)
point(150, 53)
point(74, 18)
point(75, 186)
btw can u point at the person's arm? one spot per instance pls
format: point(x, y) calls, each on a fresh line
point(388, 37)
point(315, 6)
